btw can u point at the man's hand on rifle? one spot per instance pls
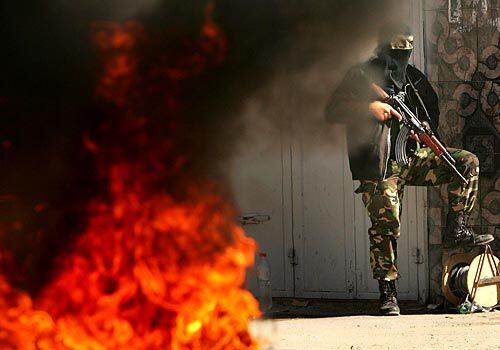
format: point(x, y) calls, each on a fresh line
point(383, 111)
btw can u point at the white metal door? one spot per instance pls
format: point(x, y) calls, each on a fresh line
point(323, 225)
point(303, 185)
point(260, 175)
point(331, 230)
point(330, 222)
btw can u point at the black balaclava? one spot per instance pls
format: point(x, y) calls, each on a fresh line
point(394, 48)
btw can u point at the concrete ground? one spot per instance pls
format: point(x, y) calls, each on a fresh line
point(355, 325)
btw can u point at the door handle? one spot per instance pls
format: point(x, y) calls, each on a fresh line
point(253, 219)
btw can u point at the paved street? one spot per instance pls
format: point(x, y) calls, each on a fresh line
point(417, 330)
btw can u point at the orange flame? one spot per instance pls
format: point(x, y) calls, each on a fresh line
point(151, 271)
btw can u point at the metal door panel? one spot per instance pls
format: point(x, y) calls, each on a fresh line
point(323, 230)
point(260, 179)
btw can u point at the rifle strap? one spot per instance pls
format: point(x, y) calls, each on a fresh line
point(415, 91)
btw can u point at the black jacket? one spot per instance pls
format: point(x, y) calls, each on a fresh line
point(367, 138)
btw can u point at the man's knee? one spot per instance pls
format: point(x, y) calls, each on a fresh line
point(469, 161)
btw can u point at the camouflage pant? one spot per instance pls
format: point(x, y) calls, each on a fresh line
point(383, 200)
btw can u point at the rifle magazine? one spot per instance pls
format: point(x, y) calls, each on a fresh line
point(400, 147)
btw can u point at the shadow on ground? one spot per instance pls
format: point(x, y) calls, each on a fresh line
point(318, 308)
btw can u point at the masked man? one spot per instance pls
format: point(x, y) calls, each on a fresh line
point(371, 134)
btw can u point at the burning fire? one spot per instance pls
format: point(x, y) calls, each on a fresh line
point(157, 267)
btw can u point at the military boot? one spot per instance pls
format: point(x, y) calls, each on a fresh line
point(388, 298)
point(459, 234)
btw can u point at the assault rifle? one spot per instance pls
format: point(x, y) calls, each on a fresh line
point(410, 123)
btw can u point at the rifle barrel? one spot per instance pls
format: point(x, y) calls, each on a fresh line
point(455, 170)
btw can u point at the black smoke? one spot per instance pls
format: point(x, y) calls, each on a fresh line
point(49, 72)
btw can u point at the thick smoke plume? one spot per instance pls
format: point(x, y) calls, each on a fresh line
point(282, 60)
point(119, 119)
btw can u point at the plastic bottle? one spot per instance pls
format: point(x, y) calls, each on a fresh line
point(264, 280)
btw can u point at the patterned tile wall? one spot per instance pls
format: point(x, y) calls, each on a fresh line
point(462, 62)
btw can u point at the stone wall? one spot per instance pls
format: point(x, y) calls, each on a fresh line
point(462, 62)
